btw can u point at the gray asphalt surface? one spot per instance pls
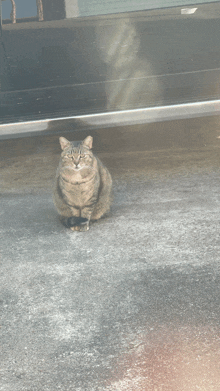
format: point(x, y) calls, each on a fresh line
point(133, 304)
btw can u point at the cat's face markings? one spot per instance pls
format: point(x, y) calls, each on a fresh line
point(72, 158)
point(79, 156)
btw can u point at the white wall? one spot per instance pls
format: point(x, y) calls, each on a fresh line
point(72, 9)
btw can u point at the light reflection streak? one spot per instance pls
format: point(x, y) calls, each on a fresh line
point(187, 359)
point(135, 82)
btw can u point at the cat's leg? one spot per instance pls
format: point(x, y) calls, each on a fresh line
point(105, 195)
point(73, 222)
point(86, 216)
point(70, 221)
point(69, 216)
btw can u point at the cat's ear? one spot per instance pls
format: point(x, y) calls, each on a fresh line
point(64, 143)
point(88, 142)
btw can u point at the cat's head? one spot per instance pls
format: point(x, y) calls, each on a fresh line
point(76, 155)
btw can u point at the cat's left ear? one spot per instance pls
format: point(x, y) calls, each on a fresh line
point(64, 143)
point(88, 142)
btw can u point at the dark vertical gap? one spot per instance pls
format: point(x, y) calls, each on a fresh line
point(54, 9)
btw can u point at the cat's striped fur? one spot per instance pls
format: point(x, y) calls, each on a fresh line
point(83, 185)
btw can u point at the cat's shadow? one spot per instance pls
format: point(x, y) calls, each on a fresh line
point(47, 223)
point(35, 215)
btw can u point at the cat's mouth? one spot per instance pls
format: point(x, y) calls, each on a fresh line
point(82, 170)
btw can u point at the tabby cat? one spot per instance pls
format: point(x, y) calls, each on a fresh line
point(83, 185)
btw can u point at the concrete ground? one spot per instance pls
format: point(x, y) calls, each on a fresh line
point(133, 304)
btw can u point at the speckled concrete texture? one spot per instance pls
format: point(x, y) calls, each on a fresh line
point(131, 305)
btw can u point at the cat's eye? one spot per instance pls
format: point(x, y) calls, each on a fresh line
point(82, 156)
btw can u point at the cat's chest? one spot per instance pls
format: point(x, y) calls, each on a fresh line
point(80, 193)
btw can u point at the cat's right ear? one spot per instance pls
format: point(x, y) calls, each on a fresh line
point(64, 143)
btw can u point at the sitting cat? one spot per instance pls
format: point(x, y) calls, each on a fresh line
point(83, 185)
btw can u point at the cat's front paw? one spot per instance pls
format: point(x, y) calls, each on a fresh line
point(75, 228)
point(83, 228)
point(78, 223)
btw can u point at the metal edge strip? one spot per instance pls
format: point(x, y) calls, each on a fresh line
point(111, 119)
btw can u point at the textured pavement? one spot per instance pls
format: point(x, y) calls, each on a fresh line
point(133, 304)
